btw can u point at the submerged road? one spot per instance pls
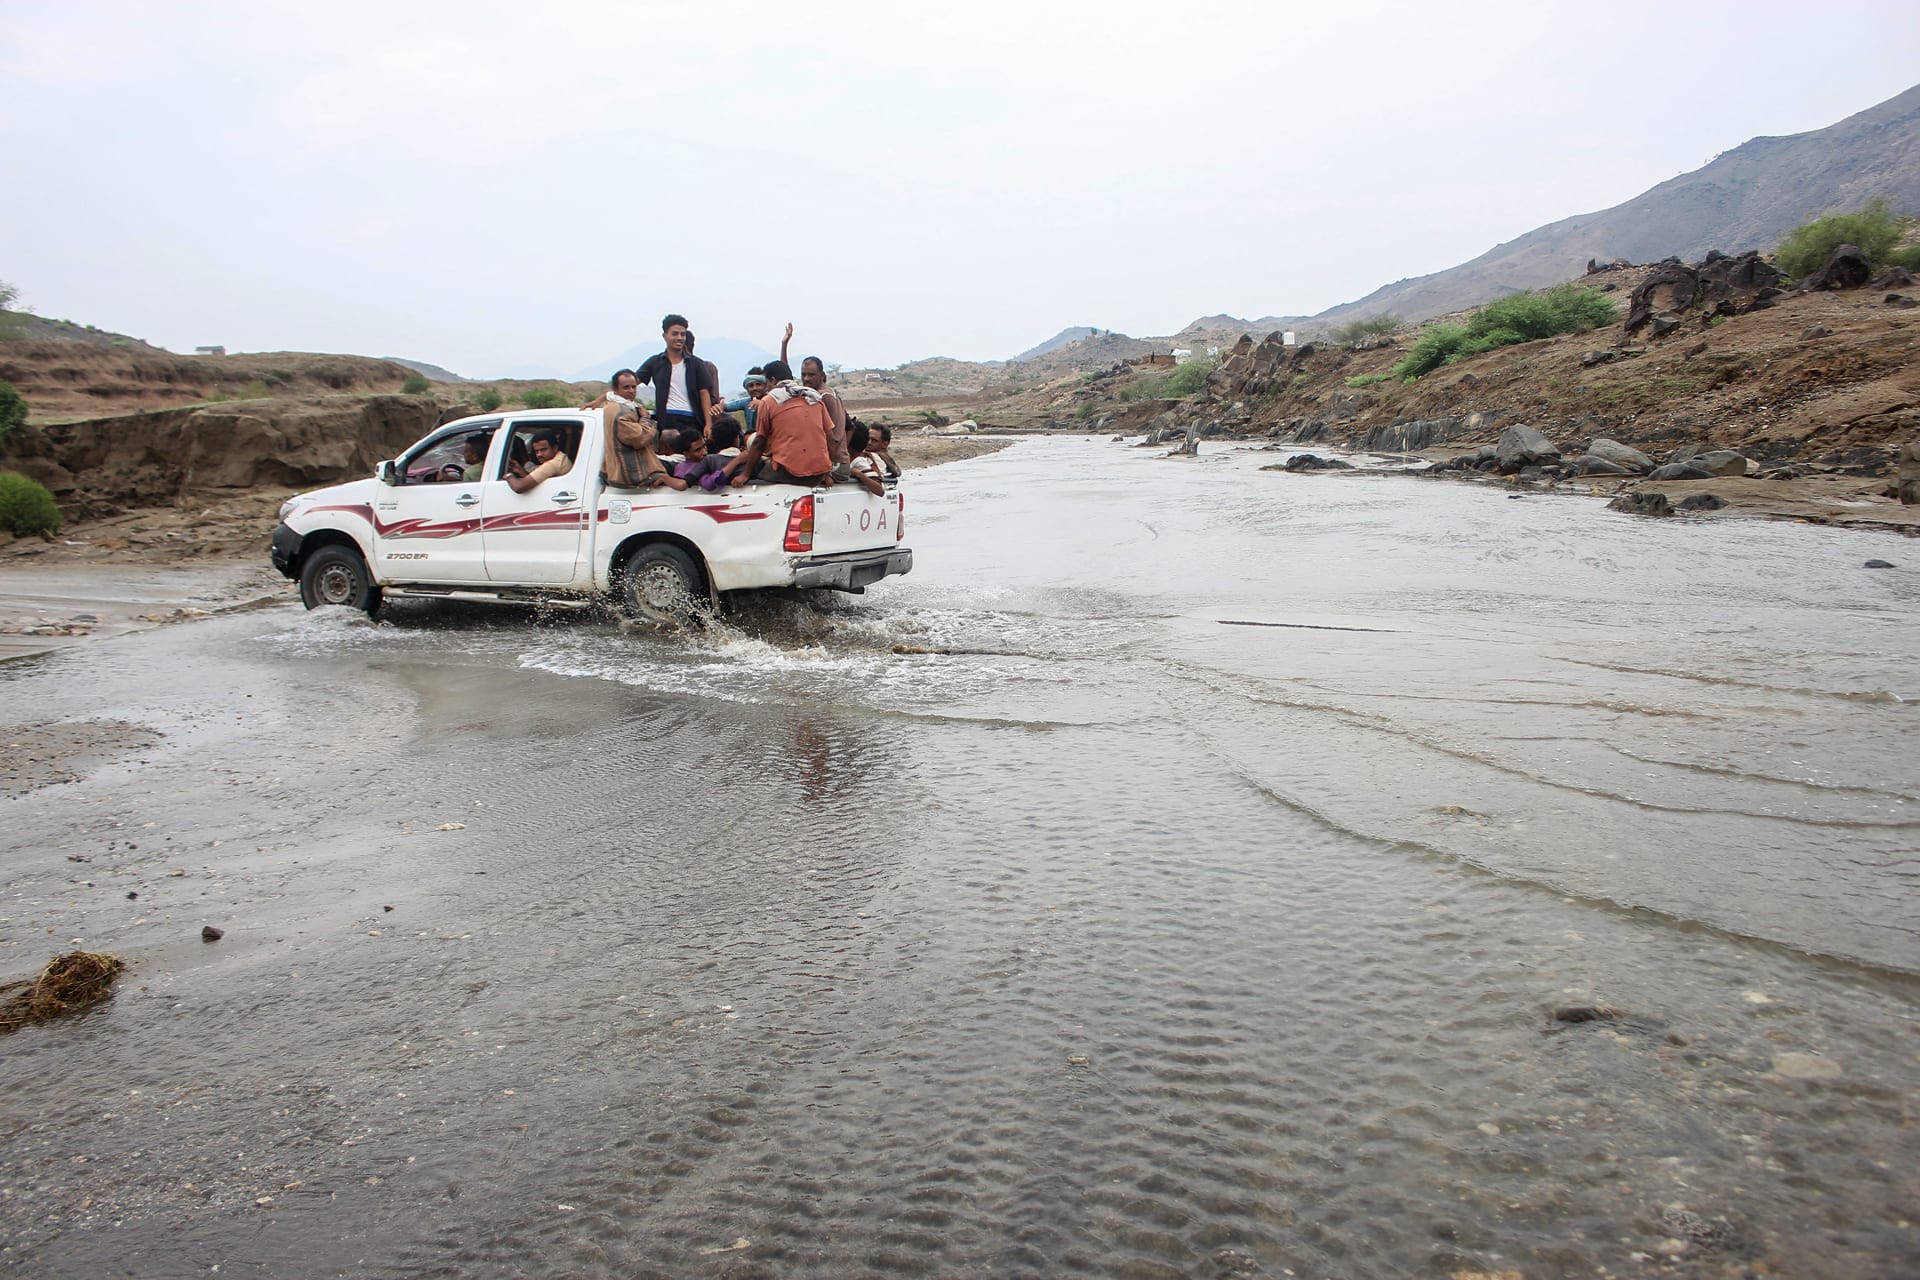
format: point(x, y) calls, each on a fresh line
point(1187, 871)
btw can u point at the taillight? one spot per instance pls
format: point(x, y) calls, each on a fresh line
point(900, 524)
point(800, 524)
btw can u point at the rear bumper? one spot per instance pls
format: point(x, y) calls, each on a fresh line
point(853, 571)
point(286, 551)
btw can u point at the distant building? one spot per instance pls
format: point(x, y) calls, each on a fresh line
point(1182, 354)
point(1154, 358)
point(1286, 339)
point(209, 351)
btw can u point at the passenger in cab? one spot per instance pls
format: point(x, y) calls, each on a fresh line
point(548, 462)
point(474, 450)
point(791, 447)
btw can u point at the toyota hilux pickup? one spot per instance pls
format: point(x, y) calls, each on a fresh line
point(415, 530)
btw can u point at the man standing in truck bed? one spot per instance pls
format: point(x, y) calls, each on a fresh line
point(683, 391)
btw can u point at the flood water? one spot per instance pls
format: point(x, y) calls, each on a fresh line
point(1177, 875)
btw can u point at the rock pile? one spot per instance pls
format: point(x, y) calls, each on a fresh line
point(1716, 286)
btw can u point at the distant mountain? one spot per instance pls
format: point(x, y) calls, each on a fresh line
point(533, 373)
point(733, 356)
point(1054, 343)
point(425, 370)
point(1746, 198)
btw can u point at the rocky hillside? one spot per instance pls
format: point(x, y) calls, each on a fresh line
point(1790, 385)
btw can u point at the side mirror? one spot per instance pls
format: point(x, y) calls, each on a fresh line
point(386, 473)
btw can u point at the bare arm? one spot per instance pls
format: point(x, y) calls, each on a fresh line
point(784, 340)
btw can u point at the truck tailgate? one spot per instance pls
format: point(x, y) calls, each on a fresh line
point(848, 518)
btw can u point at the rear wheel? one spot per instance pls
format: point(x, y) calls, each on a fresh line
point(338, 576)
point(660, 583)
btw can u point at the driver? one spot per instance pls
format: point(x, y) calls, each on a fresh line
point(548, 462)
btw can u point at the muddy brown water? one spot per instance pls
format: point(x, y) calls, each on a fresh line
point(1105, 939)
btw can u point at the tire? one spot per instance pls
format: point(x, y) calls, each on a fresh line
point(660, 583)
point(337, 575)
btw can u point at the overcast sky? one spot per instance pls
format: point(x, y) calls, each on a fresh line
point(496, 185)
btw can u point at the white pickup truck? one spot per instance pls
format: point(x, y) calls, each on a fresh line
point(572, 539)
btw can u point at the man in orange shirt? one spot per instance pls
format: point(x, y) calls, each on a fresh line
point(791, 444)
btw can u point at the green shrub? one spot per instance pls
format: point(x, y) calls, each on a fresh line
point(1372, 327)
point(13, 410)
point(1368, 379)
point(1189, 378)
point(545, 398)
point(1146, 386)
point(1876, 229)
point(1908, 257)
point(1565, 308)
point(417, 385)
point(488, 400)
point(27, 510)
point(1435, 347)
point(1524, 317)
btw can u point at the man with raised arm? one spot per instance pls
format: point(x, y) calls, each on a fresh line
point(683, 392)
point(814, 374)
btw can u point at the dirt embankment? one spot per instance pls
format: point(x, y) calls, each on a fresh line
point(69, 381)
point(102, 466)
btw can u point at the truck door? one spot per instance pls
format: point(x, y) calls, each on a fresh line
point(537, 536)
point(426, 525)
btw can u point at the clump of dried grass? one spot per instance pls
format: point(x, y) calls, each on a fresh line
point(69, 982)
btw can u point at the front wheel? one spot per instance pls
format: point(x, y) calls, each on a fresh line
point(338, 576)
point(660, 583)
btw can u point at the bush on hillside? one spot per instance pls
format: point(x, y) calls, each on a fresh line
point(1189, 378)
point(417, 385)
point(488, 400)
point(13, 410)
point(1908, 257)
point(1524, 317)
point(544, 398)
point(27, 510)
point(1372, 327)
point(1876, 229)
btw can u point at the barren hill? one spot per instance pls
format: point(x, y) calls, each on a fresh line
point(1746, 198)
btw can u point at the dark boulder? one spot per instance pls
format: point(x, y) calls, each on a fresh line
point(1847, 268)
point(1670, 287)
point(1893, 278)
point(1593, 358)
point(1680, 471)
point(1871, 564)
point(1521, 446)
point(1642, 504)
point(1720, 462)
point(1593, 466)
point(1626, 457)
point(1313, 462)
point(1408, 436)
point(1702, 502)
